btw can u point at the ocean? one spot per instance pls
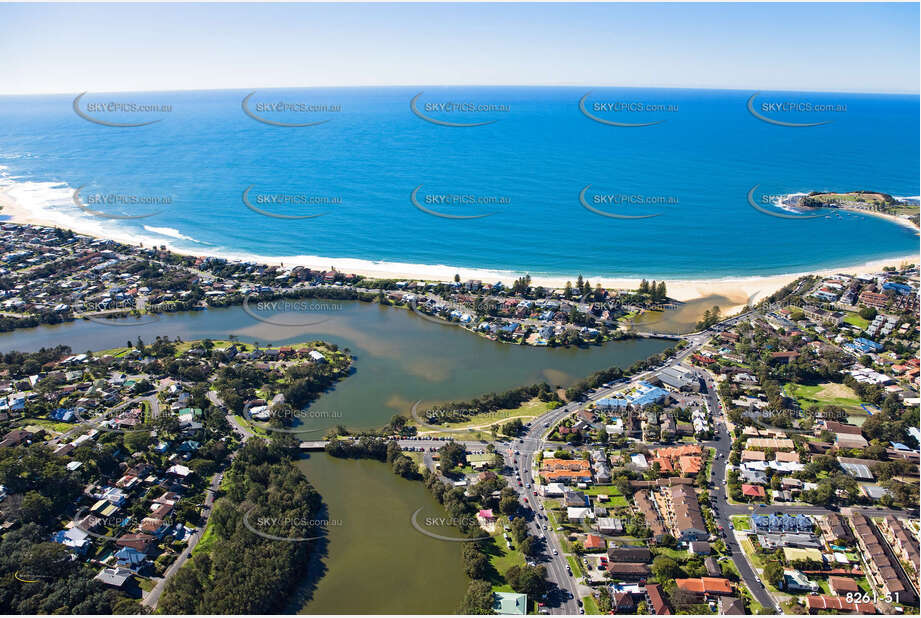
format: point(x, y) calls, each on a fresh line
point(538, 185)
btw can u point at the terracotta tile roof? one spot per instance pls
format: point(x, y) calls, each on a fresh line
point(705, 585)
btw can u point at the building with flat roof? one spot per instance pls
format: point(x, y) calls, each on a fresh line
point(678, 377)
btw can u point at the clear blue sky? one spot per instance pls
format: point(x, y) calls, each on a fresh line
point(111, 47)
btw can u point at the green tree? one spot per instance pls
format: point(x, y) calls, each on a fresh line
point(664, 569)
point(773, 573)
point(478, 599)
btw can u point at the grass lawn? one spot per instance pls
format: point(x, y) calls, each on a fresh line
point(575, 565)
point(753, 556)
point(501, 559)
point(206, 541)
point(855, 320)
point(728, 567)
point(591, 607)
point(741, 522)
point(253, 427)
point(676, 554)
point(615, 498)
point(826, 393)
point(48, 424)
point(482, 422)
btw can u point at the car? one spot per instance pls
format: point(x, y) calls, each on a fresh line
point(528, 485)
point(579, 601)
point(556, 553)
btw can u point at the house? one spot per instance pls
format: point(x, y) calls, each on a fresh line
point(629, 554)
point(753, 492)
point(628, 571)
point(575, 498)
point(74, 539)
point(705, 586)
point(316, 357)
point(656, 601)
point(623, 603)
point(701, 548)
point(610, 525)
point(579, 513)
point(510, 603)
point(114, 577)
point(688, 520)
point(653, 520)
point(712, 566)
point(140, 542)
point(730, 606)
point(796, 581)
point(129, 558)
point(593, 542)
point(842, 586)
point(827, 603)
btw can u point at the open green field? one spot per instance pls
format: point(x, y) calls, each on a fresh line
point(615, 498)
point(826, 393)
point(741, 522)
point(856, 320)
point(480, 424)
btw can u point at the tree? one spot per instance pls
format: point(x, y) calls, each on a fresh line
point(508, 505)
point(529, 546)
point(478, 599)
point(35, 507)
point(519, 529)
point(773, 573)
point(603, 435)
point(452, 455)
point(664, 568)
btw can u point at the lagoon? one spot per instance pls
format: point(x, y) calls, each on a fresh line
point(399, 357)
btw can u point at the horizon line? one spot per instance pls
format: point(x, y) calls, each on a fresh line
point(472, 85)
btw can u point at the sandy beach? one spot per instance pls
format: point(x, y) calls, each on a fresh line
point(736, 290)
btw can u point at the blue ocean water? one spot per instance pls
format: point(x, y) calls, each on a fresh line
point(525, 170)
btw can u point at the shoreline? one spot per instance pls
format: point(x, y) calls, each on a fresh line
point(739, 290)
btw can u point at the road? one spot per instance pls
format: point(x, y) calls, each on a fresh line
point(152, 598)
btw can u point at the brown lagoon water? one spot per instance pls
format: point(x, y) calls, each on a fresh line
point(399, 357)
point(376, 562)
